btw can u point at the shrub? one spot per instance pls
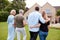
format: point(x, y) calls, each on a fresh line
point(3, 16)
point(58, 13)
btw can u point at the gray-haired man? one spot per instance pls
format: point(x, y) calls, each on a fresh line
point(19, 24)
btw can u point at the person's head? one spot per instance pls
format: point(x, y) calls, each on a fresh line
point(44, 15)
point(37, 8)
point(13, 12)
point(21, 11)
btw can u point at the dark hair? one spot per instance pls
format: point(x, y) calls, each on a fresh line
point(37, 8)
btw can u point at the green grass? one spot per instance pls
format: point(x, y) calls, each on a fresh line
point(54, 34)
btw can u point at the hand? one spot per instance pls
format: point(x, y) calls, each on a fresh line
point(49, 19)
point(14, 25)
point(31, 27)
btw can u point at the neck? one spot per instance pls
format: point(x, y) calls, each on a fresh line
point(21, 14)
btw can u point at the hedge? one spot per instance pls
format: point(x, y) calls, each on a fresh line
point(3, 16)
point(58, 13)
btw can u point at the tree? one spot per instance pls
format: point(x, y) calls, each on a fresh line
point(6, 7)
point(3, 4)
point(58, 13)
point(16, 4)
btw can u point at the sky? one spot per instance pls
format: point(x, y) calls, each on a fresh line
point(30, 3)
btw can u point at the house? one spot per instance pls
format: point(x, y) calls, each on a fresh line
point(48, 8)
point(31, 10)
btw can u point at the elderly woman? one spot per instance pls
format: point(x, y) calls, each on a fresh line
point(10, 21)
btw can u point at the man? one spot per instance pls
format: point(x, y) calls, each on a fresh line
point(33, 19)
point(19, 23)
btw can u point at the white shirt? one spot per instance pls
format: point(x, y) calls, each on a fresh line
point(33, 19)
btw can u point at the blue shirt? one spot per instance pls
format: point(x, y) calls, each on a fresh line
point(10, 19)
point(33, 19)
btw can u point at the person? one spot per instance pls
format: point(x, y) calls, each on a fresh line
point(19, 23)
point(11, 29)
point(43, 32)
point(33, 19)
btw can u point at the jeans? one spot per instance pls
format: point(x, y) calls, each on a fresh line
point(43, 35)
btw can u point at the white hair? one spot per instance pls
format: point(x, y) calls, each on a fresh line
point(21, 11)
point(12, 11)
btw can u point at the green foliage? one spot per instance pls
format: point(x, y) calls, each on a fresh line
point(58, 13)
point(6, 7)
point(3, 4)
point(16, 4)
point(3, 15)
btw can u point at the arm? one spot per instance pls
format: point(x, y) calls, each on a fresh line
point(48, 27)
point(36, 26)
point(42, 19)
point(24, 22)
point(14, 24)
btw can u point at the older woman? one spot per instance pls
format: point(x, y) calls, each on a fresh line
point(10, 21)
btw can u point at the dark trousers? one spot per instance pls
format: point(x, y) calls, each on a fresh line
point(33, 35)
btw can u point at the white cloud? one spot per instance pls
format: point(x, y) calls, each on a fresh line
point(30, 3)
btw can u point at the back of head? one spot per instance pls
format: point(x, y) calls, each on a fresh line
point(37, 8)
point(21, 11)
point(13, 12)
point(44, 15)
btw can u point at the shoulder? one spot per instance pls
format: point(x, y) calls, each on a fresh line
point(10, 16)
point(16, 16)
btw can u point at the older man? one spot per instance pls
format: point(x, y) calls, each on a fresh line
point(19, 24)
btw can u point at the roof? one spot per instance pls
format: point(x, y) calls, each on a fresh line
point(57, 7)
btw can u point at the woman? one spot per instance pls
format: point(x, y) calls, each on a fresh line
point(43, 32)
point(10, 21)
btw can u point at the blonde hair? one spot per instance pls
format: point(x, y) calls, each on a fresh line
point(44, 15)
point(12, 12)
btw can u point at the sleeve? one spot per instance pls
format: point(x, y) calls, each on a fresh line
point(41, 18)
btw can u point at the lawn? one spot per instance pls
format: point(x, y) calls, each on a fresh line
point(54, 34)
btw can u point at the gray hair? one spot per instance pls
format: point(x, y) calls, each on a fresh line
point(21, 11)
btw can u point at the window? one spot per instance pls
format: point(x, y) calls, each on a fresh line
point(48, 11)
